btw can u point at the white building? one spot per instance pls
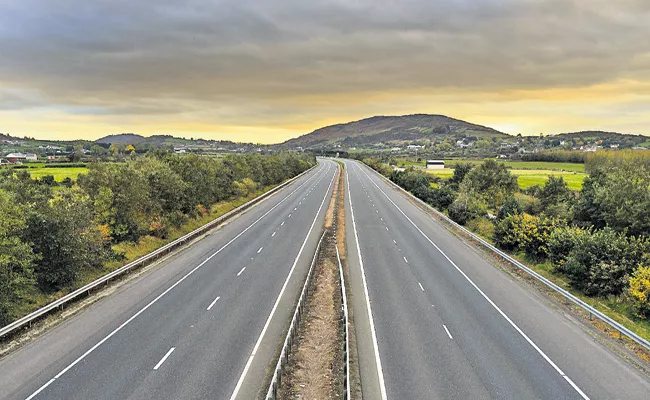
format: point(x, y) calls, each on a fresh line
point(435, 164)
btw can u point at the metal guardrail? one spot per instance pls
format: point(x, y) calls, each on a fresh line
point(622, 330)
point(276, 380)
point(58, 304)
point(346, 333)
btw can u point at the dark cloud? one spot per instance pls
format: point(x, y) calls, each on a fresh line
point(158, 57)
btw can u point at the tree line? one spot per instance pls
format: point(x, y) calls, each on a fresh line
point(51, 235)
point(597, 238)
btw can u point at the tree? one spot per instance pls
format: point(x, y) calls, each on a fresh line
point(16, 258)
point(66, 239)
point(492, 181)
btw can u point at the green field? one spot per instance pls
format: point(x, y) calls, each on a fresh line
point(537, 165)
point(59, 173)
point(529, 177)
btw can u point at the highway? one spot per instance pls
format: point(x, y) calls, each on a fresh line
point(205, 323)
point(435, 320)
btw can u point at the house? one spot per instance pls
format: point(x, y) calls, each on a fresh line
point(435, 164)
point(414, 146)
point(17, 157)
point(396, 149)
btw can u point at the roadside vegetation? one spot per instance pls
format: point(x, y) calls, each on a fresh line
point(595, 241)
point(57, 236)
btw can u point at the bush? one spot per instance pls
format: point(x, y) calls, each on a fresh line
point(527, 233)
point(482, 227)
point(561, 243)
point(510, 207)
point(639, 291)
point(604, 253)
point(467, 207)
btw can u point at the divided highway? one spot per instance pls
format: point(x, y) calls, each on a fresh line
point(204, 324)
point(435, 320)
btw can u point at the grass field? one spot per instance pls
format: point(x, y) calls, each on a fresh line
point(529, 177)
point(59, 173)
point(537, 165)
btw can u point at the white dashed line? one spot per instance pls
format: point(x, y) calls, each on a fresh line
point(274, 233)
point(394, 241)
point(240, 272)
point(421, 286)
point(407, 261)
point(282, 223)
point(213, 303)
point(162, 360)
point(386, 228)
point(260, 250)
point(447, 330)
point(289, 215)
point(295, 208)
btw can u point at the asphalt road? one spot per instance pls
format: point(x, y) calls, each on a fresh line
point(434, 320)
point(204, 324)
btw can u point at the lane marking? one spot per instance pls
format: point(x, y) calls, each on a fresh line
point(274, 233)
point(407, 261)
point(152, 302)
point(213, 303)
point(40, 389)
point(386, 228)
point(277, 301)
point(240, 272)
point(447, 330)
point(421, 286)
point(295, 208)
point(380, 373)
point(289, 215)
point(260, 250)
point(471, 282)
point(282, 223)
point(162, 360)
point(394, 241)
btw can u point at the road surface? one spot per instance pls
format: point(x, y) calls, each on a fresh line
point(192, 327)
point(435, 320)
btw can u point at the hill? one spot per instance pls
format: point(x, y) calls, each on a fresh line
point(126, 138)
point(391, 129)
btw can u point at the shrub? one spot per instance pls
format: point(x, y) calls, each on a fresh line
point(605, 252)
point(510, 207)
point(561, 243)
point(639, 291)
point(467, 207)
point(525, 232)
point(481, 226)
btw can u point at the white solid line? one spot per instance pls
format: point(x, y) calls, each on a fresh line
point(84, 355)
point(282, 223)
point(240, 272)
point(421, 286)
point(40, 389)
point(277, 301)
point(539, 351)
point(447, 330)
point(380, 373)
point(274, 234)
point(260, 250)
point(213, 303)
point(162, 360)
point(407, 261)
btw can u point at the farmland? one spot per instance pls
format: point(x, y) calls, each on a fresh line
point(59, 173)
point(528, 177)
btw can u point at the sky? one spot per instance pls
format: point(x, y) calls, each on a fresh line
point(269, 70)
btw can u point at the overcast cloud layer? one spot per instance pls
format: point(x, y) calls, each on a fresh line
point(278, 68)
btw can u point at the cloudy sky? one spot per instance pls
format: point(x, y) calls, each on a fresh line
point(268, 70)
